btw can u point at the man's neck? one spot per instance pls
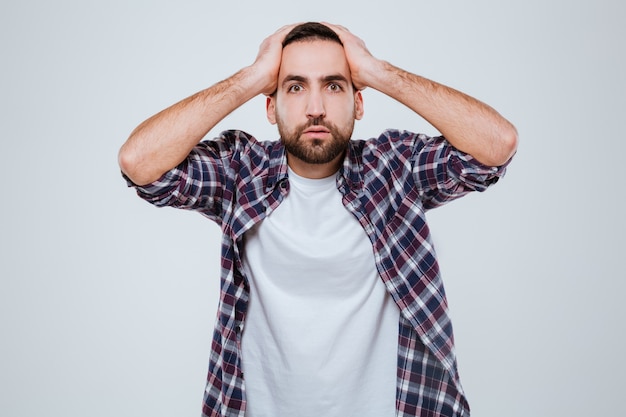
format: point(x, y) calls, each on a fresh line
point(314, 171)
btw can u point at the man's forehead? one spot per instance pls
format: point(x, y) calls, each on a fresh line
point(314, 57)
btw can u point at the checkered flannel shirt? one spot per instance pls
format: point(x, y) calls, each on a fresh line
point(387, 183)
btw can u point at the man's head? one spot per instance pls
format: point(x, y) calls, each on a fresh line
point(315, 104)
point(309, 32)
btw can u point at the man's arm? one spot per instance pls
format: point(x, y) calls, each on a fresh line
point(164, 140)
point(468, 124)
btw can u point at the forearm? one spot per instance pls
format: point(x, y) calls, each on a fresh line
point(468, 124)
point(164, 140)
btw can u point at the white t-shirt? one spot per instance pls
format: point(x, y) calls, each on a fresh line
point(321, 332)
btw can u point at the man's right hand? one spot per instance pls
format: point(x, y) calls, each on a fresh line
point(267, 63)
point(164, 140)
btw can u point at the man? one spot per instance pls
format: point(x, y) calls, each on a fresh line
point(331, 299)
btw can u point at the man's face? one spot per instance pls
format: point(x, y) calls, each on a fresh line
point(315, 105)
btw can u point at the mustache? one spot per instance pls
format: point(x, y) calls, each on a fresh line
point(317, 121)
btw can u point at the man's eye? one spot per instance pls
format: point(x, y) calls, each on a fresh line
point(294, 88)
point(334, 87)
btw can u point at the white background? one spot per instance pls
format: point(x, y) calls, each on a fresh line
point(107, 304)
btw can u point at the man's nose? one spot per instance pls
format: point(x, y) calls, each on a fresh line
point(315, 106)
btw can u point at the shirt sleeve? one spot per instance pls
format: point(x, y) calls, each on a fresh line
point(195, 184)
point(444, 173)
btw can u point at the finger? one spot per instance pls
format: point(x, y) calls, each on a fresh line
point(286, 29)
point(278, 35)
point(336, 28)
point(334, 25)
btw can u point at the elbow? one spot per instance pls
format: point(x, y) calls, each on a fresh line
point(126, 161)
point(506, 146)
point(130, 164)
point(510, 140)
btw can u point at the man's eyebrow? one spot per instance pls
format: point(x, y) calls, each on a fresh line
point(335, 77)
point(324, 79)
point(298, 78)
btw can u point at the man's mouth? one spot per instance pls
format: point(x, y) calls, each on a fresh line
point(316, 132)
point(316, 129)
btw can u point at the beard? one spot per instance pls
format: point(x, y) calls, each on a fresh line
point(315, 151)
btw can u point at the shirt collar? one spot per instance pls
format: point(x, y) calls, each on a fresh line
point(351, 169)
point(278, 165)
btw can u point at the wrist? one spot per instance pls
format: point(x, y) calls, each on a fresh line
point(376, 74)
point(259, 80)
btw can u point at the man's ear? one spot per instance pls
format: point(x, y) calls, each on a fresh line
point(270, 109)
point(358, 105)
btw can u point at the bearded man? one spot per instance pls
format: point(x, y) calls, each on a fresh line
point(331, 300)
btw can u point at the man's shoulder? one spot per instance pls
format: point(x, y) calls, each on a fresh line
point(392, 135)
point(244, 156)
point(240, 138)
point(390, 140)
point(240, 145)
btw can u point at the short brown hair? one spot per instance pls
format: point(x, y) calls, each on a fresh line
point(311, 31)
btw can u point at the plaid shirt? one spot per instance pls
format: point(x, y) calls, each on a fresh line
point(387, 183)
